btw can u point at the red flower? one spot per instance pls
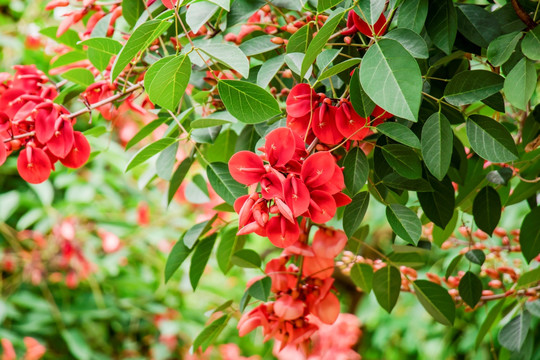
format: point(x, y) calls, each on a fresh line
point(282, 232)
point(376, 29)
point(79, 154)
point(301, 100)
point(246, 167)
point(324, 124)
point(350, 124)
point(34, 165)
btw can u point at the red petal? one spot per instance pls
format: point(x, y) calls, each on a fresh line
point(34, 165)
point(341, 199)
point(246, 167)
point(352, 127)
point(296, 195)
point(300, 125)
point(327, 310)
point(44, 119)
point(324, 125)
point(271, 186)
point(79, 154)
point(328, 243)
point(322, 207)
point(380, 114)
point(169, 4)
point(317, 267)
point(278, 147)
point(378, 28)
point(318, 169)
point(301, 100)
point(336, 185)
point(238, 203)
point(282, 233)
point(62, 140)
point(3, 152)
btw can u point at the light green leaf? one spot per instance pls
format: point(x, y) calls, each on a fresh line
point(165, 162)
point(140, 40)
point(299, 41)
point(132, 10)
point(100, 51)
point(441, 235)
point(530, 46)
point(204, 123)
point(223, 183)
point(436, 300)
point(441, 24)
point(370, 10)
point(225, 4)
point(210, 333)
point(490, 139)
point(404, 160)
point(248, 102)
point(362, 276)
point(77, 345)
point(529, 277)
point(356, 169)
point(323, 5)
point(199, 13)
point(246, 258)
point(404, 222)
point(258, 45)
point(79, 76)
point(520, 83)
point(145, 131)
point(336, 69)
point(489, 321)
point(196, 231)
point(229, 55)
point(500, 49)
point(269, 69)
point(453, 264)
point(399, 133)
point(387, 286)
point(70, 37)
point(148, 151)
point(472, 85)
point(229, 244)
point(68, 58)
point(167, 85)
point(392, 79)
point(411, 41)
point(437, 145)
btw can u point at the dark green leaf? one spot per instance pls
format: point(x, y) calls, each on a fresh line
point(404, 160)
point(397, 181)
point(399, 133)
point(260, 289)
point(223, 183)
point(496, 102)
point(248, 102)
point(513, 334)
point(229, 244)
point(441, 24)
point(411, 41)
point(323, 5)
point(436, 300)
point(200, 259)
point(387, 286)
point(167, 84)
point(178, 176)
point(246, 258)
point(360, 101)
point(177, 256)
point(490, 139)
point(354, 213)
point(210, 333)
point(412, 15)
point(489, 321)
point(530, 46)
point(148, 151)
point(477, 25)
point(500, 176)
point(437, 145)
point(487, 209)
point(520, 83)
point(529, 236)
point(476, 256)
point(362, 276)
point(500, 49)
point(470, 289)
point(299, 41)
point(356, 169)
point(453, 264)
point(404, 222)
point(439, 204)
point(472, 85)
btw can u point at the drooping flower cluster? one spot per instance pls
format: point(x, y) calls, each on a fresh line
point(312, 115)
point(302, 297)
point(31, 121)
point(292, 184)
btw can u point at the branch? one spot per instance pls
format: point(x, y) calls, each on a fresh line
point(523, 15)
point(21, 136)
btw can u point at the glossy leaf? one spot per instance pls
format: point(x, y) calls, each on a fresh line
point(441, 24)
point(370, 10)
point(476, 256)
point(437, 145)
point(354, 213)
point(490, 139)
point(436, 300)
point(411, 41)
point(166, 85)
point(200, 259)
point(356, 169)
point(412, 15)
point(391, 77)
point(399, 133)
point(529, 236)
point(177, 256)
point(148, 151)
point(404, 222)
point(477, 25)
point(260, 289)
point(439, 204)
point(470, 289)
point(487, 209)
point(223, 183)
point(246, 258)
point(500, 49)
point(386, 286)
point(472, 85)
point(404, 160)
point(360, 101)
point(530, 46)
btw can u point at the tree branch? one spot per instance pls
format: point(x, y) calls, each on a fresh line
point(522, 14)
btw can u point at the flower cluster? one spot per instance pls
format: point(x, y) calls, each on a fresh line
point(356, 24)
point(292, 184)
point(31, 121)
point(303, 297)
point(312, 115)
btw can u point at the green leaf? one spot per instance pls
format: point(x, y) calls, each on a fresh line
point(453, 264)
point(476, 256)
point(360, 101)
point(396, 181)
point(404, 160)
point(68, 58)
point(529, 277)
point(520, 83)
point(177, 256)
point(487, 209)
point(165, 162)
point(299, 41)
point(166, 81)
point(441, 235)
point(529, 236)
point(148, 151)
point(248, 102)
point(247, 140)
point(199, 13)
point(260, 289)
point(356, 169)
point(223, 147)
point(100, 50)
point(178, 176)
point(490, 139)
point(326, 58)
point(79, 76)
point(258, 45)
point(412, 15)
point(229, 244)
point(323, 5)
point(437, 145)
point(204, 123)
point(500, 49)
point(70, 37)
point(414, 260)
point(246, 258)
point(387, 286)
point(223, 183)
point(132, 10)
point(472, 85)
point(224, 4)
point(411, 41)
point(77, 345)
point(439, 204)
point(470, 289)
point(336, 69)
point(354, 213)
point(145, 131)
point(320, 40)
point(370, 10)
point(228, 55)
point(533, 307)
point(269, 69)
point(392, 79)
point(362, 276)
point(195, 232)
point(404, 222)
point(513, 334)
point(477, 25)
point(500, 176)
point(210, 333)
point(496, 102)
point(530, 46)
point(140, 40)
point(441, 24)
point(489, 321)
point(436, 300)
point(200, 259)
